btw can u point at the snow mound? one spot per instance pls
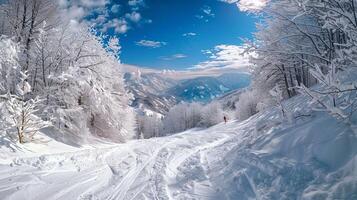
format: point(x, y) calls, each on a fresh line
point(265, 157)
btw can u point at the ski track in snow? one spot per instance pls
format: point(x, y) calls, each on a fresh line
point(238, 160)
point(126, 171)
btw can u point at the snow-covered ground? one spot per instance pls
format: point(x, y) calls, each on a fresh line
point(263, 157)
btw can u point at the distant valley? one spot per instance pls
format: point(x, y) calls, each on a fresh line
point(155, 93)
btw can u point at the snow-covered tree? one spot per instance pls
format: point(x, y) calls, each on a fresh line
point(71, 67)
point(23, 111)
point(88, 98)
point(182, 117)
point(246, 105)
point(114, 47)
point(190, 115)
point(9, 66)
point(278, 97)
point(303, 43)
point(336, 94)
point(212, 114)
point(149, 126)
point(23, 19)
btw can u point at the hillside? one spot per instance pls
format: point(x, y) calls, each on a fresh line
point(205, 89)
point(153, 92)
point(148, 92)
point(229, 99)
point(199, 89)
point(264, 157)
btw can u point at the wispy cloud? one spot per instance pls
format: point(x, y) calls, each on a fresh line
point(182, 74)
point(150, 43)
point(249, 5)
point(226, 56)
point(148, 21)
point(206, 12)
point(189, 34)
point(174, 57)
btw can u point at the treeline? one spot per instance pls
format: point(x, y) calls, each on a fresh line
point(182, 117)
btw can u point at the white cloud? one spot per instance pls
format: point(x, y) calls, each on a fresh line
point(75, 12)
point(252, 5)
point(179, 56)
point(136, 4)
point(78, 9)
point(207, 10)
point(226, 56)
point(115, 8)
point(119, 25)
point(123, 28)
point(93, 3)
point(189, 34)
point(174, 57)
point(99, 20)
point(134, 16)
point(100, 14)
point(150, 43)
point(248, 5)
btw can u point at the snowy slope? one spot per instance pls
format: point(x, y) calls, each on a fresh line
point(148, 91)
point(260, 158)
point(229, 99)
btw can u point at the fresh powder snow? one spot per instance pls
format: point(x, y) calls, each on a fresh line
point(260, 158)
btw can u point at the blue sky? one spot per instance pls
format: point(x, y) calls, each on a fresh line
point(171, 20)
point(171, 34)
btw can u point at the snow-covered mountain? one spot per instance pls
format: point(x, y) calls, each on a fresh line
point(148, 91)
point(199, 89)
point(267, 156)
point(205, 89)
point(157, 93)
point(235, 80)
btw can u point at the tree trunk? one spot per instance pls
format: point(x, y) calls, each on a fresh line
point(286, 81)
point(297, 75)
point(292, 82)
point(43, 68)
point(30, 34)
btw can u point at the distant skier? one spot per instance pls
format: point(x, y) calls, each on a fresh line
point(225, 119)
